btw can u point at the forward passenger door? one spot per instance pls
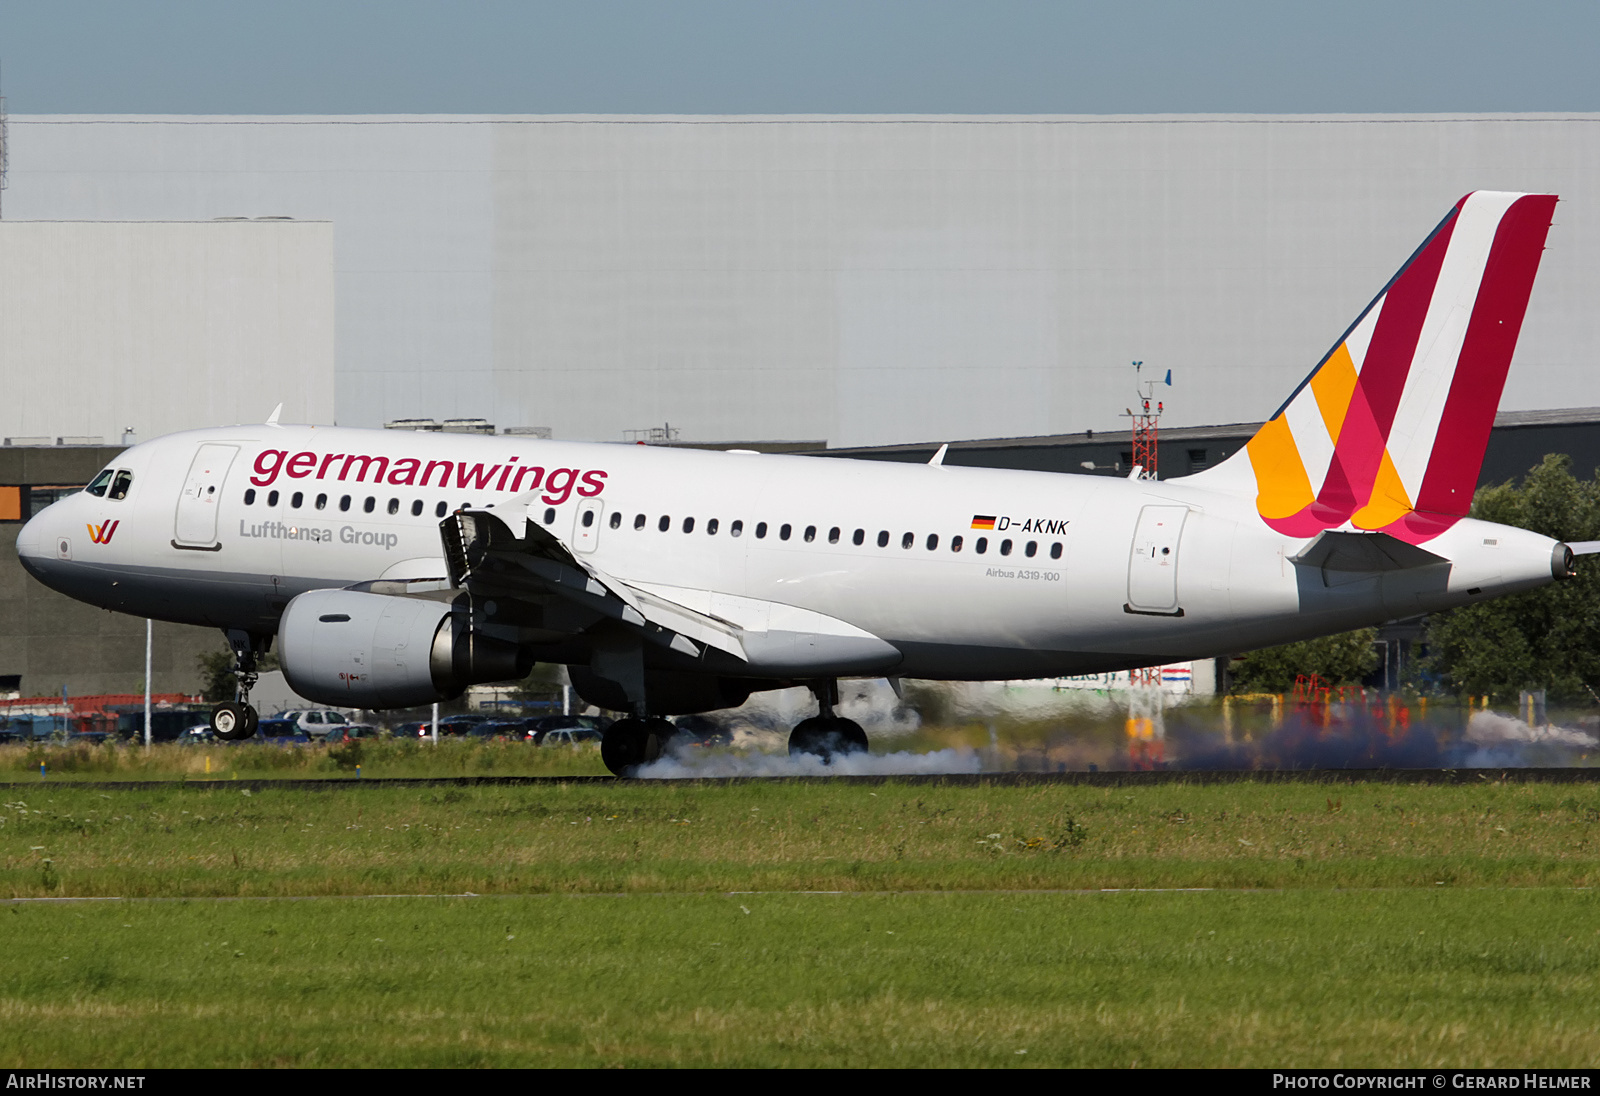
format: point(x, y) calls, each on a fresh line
point(196, 524)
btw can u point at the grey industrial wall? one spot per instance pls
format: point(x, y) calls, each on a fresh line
point(163, 326)
point(53, 641)
point(863, 280)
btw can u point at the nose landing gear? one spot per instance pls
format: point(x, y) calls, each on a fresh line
point(237, 720)
point(826, 735)
point(233, 721)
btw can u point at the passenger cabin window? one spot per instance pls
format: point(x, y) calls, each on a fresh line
point(370, 505)
point(908, 540)
point(322, 502)
point(883, 538)
point(933, 541)
point(616, 519)
point(550, 516)
point(711, 527)
point(344, 503)
point(438, 511)
point(688, 525)
point(664, 524)
point(1030, 549)
point(858, 537)
point(833, 535)
point(250, 497)
point(1005, 547)
point(736, 529)
point(416, 508)
point(297, 499)
point(638, 521)
point(272, 498)
point(97, 486)
point(1055, 550)
point(394, 506)
point(955, 544)
point(783, 532)
point(981, 545)
point(811, 533)
point(120, 485)
point(761, 530)
point(588, 518)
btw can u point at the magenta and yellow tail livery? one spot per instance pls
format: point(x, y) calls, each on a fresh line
point(1388, 432)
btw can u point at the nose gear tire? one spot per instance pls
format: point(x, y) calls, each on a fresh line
point(234, 722)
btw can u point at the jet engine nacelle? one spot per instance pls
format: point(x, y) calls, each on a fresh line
point(355, 649)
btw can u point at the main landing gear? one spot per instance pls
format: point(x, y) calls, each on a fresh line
point(237, 719)
point(826, 735)
point(632, 742)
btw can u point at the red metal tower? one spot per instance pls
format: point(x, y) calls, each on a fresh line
point(1144, 425)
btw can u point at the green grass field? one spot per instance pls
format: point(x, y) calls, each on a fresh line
point(668, 923)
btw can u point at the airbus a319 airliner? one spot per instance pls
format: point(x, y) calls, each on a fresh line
point(397, 569)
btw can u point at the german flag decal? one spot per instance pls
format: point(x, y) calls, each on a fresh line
point(983, 521)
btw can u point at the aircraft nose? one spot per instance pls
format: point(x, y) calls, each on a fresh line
point(36, 543)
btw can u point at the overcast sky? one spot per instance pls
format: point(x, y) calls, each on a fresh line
point(770, 57)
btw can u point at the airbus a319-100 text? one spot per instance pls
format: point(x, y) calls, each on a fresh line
point(397, 569)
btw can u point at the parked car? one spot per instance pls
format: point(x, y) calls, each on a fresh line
point(92, 738)
point(594, 724)
point(448, 725)
point(697, 730)
point(166, 724)
point(517, 730)
point(315, 721)
point(573, 736)
point(282, 732)
point(350, 732)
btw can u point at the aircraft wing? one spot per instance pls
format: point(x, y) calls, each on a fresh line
point(488, 560)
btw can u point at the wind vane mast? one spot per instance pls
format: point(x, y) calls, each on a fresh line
point(1145, 422)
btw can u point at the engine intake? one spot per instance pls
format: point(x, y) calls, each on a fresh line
point(357, 649)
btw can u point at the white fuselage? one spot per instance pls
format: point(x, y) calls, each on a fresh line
point(1077, 574)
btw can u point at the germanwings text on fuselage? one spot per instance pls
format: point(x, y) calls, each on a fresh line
point(558, 483)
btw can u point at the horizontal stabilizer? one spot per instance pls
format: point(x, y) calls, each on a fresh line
point(1365, 553)
point(1584, 547)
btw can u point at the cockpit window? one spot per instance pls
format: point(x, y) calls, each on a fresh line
point(100, 483)
point(120, 485)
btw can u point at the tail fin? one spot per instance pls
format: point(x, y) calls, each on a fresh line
point(1388, 432)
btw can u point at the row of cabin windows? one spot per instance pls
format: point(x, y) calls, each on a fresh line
point(298, 499)
point(785, 532)
point(664, 523)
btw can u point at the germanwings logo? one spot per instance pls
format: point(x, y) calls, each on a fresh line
point(1388, 433)
point(102, 533)
point(558, 484)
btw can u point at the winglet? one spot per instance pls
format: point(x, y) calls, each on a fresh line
point(272, 419)
point(938, 458)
